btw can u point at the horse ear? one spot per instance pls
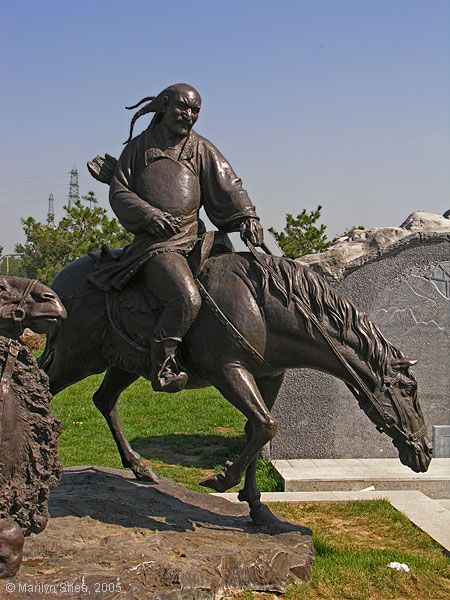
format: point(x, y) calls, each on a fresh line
point(403, 362)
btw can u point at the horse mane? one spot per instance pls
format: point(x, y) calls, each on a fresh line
point(29, 473)
point(302, 286)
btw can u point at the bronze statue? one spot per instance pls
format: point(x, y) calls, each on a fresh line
point(260, 315)
point(29, 466)
point(162, 178)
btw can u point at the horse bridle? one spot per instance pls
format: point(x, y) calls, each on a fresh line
point(389, 425)
point(389, 385)
point(17, 315)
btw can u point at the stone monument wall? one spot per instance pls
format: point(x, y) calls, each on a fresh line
point(401, 279)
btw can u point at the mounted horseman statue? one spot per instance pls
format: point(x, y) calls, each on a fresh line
point(162, 178)
point(138, 311)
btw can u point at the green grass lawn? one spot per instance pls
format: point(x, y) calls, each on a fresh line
point(188, 435)
point(355, 541)
point(184, 436)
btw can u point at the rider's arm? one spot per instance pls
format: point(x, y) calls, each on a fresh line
point(134, 213)
point(226, 202)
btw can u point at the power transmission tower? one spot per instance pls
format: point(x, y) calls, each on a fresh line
point(51, 210)
point(74, 190)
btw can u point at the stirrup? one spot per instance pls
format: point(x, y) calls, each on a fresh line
point(167, 379)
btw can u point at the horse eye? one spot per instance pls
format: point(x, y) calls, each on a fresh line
point(406, 389)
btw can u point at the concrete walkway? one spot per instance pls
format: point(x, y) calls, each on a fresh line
point(353, 474)
point(423, 497)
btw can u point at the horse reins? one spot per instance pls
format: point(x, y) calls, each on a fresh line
point(230, 327)
point(17, 315)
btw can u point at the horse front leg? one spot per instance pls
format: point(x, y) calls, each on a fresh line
point(238, 386)
point(105, 399)
point(250, 492)
point(260, 513)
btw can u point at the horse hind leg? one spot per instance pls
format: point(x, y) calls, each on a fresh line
point(239, 387)
point(105, 399)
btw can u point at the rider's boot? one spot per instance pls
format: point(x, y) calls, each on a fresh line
point(166, 375)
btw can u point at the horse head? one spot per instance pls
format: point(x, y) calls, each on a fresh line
point(395, 410)
point(28, 303)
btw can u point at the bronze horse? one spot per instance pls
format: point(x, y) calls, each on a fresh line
point(261, 316)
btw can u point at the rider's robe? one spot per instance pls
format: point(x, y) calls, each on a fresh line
point(178, 180)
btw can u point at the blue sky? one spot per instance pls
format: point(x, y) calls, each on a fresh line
point(344, 104)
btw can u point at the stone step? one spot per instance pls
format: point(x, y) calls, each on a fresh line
point(354, 474)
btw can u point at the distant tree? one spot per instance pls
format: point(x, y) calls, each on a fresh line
point(84, 227)
point(301, 236)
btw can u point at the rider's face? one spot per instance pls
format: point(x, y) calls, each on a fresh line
point(181, 113)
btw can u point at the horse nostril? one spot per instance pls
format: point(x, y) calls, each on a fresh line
point(48, 296)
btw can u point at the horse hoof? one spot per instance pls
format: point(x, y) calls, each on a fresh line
point(220, 482)
point(216, 482)
point(142, 472)
point(264, 517)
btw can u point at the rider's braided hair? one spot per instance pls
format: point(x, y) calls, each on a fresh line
point(156, 104)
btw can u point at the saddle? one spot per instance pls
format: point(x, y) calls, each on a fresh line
point(132, 312)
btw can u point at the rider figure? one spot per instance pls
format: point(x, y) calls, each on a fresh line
point(162, 178)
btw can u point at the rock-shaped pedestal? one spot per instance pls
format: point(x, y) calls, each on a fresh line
point(109, 532)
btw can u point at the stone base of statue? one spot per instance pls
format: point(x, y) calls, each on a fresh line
point(109, 533)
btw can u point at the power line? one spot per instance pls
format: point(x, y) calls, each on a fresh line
point(25, 179)
point(31, 190)
point(35, 201)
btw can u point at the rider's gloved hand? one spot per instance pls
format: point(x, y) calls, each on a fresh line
point(163, 225)
point(252, 231)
